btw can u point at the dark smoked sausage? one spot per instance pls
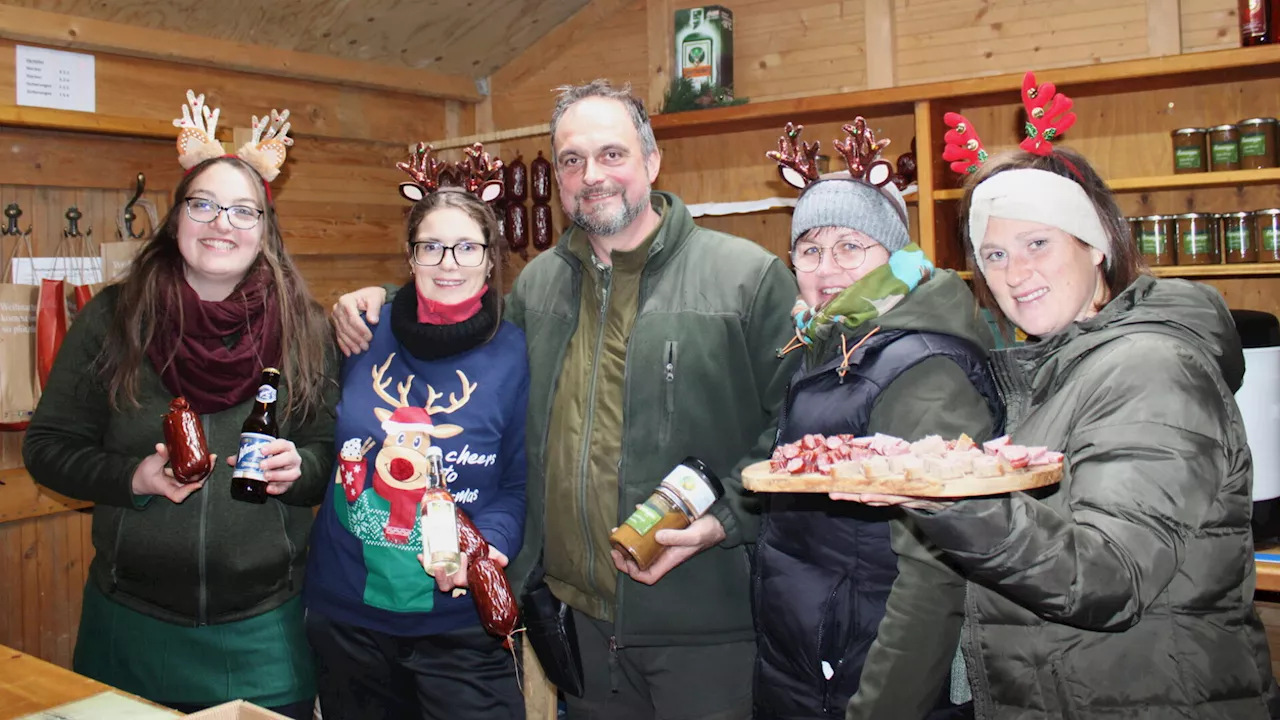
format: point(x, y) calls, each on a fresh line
point(490, 589)
point(184, 437)
point(542, 226)
point(540, 179)
point(517, 222)
point(517, 180)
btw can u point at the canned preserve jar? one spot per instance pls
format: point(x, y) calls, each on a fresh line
point(1224, 147)
point(1238, 239)
point(684, 496)
point(1257, 143)
point(1156, 239)
point(1188, 151)
point(1266, 228)
point(1195, 239)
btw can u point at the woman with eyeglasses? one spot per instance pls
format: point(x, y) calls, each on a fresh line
point(850, 602)
point(193, 596)
point(446, 372)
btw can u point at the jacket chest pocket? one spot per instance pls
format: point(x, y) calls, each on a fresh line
point(669, 360)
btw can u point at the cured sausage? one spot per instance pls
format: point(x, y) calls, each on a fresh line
point(517, 180)
point(540, 179)
point(542, 226)
point(184, 437)
point(489, 586)
point(517, 226)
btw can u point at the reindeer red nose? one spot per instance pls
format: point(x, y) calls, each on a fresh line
point(401, 469)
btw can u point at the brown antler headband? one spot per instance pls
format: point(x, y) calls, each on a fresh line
point(479, 173)
point(797, 161)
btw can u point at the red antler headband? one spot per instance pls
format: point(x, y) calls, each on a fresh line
point(479, 173)
point(1048, 117)
point(797, 162)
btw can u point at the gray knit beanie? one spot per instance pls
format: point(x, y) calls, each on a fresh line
point(878, 213)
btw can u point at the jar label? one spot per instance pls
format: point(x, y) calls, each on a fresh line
point(1152, 243)
point(692, 489)
point(1236, 240)
point(1225, 153)
point(439, 524)
point(1195, 243)
point(1187, 158)
point(644, 518)
point(251, 457)
point(1271, 239)
point(1253, 145)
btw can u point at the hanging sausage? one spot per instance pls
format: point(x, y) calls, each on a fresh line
point(540, 186)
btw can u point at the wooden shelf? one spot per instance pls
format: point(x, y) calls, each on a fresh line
point(1168, 182)
point(1201, 271)
point(1202, 68)
point(71, 121)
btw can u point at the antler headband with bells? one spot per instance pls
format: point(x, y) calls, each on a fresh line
point(1026, 194)
point(198, 142)
point(478, 173)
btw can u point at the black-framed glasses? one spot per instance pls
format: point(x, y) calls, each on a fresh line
point(241, 217)
point(465, 253)
point(807, 256)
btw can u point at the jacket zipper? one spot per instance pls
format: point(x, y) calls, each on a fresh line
point(669, 372)
point(604, 279)
point(288, 542)
point(115, 559)
point(202, 614)
point(976, 675)
point(822, 626)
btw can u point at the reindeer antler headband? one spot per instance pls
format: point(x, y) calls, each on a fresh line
point(1027, 194)
point(797, 161)
point(198, 141)
point(479, 173)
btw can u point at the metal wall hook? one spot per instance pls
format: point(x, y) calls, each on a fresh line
point(129, 214)
point(11, 215)
point(73, 216)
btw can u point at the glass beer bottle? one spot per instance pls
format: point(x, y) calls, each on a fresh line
point(248, 484)
point(439, 521)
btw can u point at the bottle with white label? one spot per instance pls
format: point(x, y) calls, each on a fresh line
point(438, 524)
point(248, 484)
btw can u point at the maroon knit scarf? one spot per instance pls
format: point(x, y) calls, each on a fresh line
point(191, 352)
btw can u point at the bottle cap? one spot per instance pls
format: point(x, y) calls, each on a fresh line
point(433, 452)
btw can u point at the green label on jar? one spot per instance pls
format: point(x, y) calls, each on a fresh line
point(1271, 239)
point(1151, 243)
point(1237, 239)
point(1253, 145)
point(1225, 153)
point(1195, 243)
point(644, 518)
point(1188, 158)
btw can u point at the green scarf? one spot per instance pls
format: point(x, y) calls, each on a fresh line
point(871, 296)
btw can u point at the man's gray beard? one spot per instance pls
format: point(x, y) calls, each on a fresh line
point(609, 226)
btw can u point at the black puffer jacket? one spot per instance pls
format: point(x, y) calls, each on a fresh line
point(825, 569)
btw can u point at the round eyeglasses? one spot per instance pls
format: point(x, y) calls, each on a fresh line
point(241, 217)
point(465, 254)
point(848, 255)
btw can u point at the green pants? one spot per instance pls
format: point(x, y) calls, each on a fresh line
point(687, 682)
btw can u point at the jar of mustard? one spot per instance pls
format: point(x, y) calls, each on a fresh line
point(1188, 150)
point(684, 496)
point(1195, 239)
point(1257, 143)
point(1156, 239)
point(1224, 148)
point(1266, 229)
point(1238, 241)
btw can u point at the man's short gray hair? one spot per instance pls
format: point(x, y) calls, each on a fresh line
point(572, 94)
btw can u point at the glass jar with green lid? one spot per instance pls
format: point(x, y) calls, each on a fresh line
point(1195, 239)
point(1257, 143)
point(1266, 228)
point(1224, 148)
point(1156, 239)
point(1238, 239)
point(1188, 150)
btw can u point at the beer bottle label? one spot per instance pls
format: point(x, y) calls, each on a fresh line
point(250, 457)
point(266, 394)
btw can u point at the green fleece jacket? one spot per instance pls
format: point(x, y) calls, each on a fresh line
point(702, 377)
point(210, 559)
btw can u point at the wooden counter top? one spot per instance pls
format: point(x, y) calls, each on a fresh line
point(29, 684)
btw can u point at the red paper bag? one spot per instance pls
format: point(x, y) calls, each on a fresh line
point(51, 325)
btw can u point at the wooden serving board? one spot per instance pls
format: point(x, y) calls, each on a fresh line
point(759, 478)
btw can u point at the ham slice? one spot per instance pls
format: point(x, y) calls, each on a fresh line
point(991, 446)
point(1015, 456)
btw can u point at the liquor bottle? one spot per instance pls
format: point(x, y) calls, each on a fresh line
point(697, 52)
point(1255, 22)
point(439, 522)
point(248, 484)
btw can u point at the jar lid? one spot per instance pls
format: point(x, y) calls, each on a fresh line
point(1268, 211)
point(707, 473)
point(1217, 128)
point(1236, 215)
point(1188, 131)
point(1192, 216)
point(1258, 121)
point(1152, 218)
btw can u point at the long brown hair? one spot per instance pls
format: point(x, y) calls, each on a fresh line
point(1125, 263)
point(479, 211)
point(154, 275)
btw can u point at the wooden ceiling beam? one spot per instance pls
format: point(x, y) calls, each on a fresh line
point(76, 33)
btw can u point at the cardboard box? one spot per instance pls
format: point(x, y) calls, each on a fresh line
point(704, 49)
point(237, 710)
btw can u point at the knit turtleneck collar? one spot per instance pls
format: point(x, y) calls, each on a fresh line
point(432, 342)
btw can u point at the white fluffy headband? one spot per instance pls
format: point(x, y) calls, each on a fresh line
point(1035, 196)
